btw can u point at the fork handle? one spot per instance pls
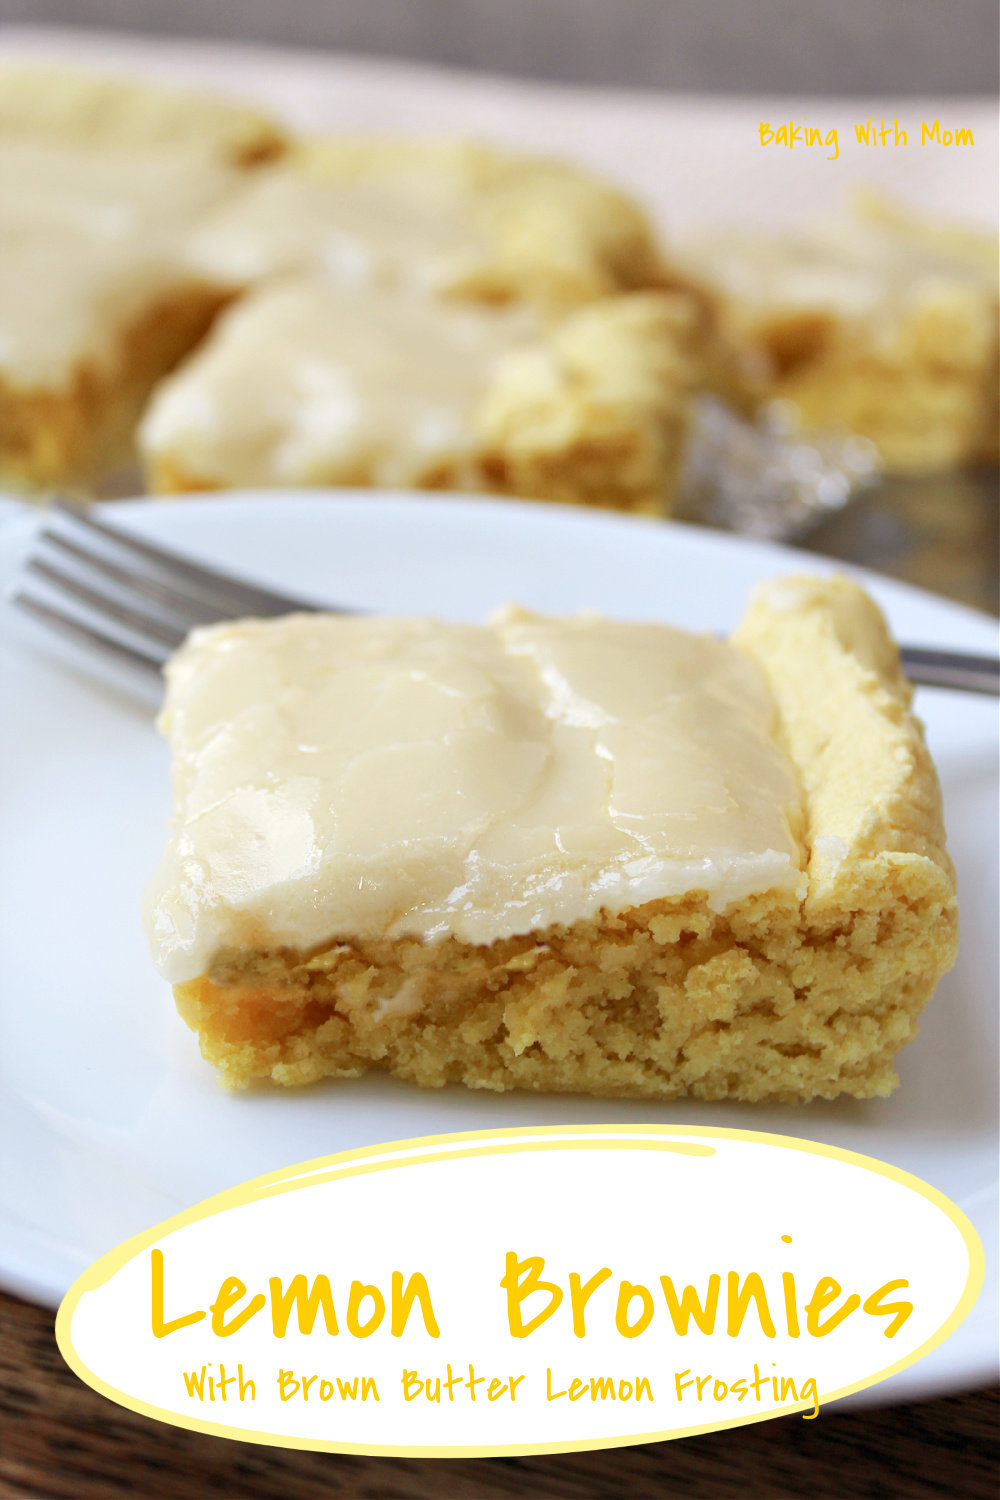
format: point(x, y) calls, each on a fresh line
point(951, 669)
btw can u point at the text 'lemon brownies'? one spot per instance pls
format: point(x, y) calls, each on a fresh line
point(571, 855)
point(100, 183)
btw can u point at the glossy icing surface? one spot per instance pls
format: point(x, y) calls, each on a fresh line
point(308, 381)
point(338, 777)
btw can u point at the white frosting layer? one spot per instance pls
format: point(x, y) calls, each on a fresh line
point(341, 777)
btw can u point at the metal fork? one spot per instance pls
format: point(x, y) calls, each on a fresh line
point(131, 600)
point(137, 602)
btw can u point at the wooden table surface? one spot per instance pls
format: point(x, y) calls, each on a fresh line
point(62, 1441)
point(59, 1440)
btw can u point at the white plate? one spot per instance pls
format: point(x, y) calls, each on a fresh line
point(109, 1118)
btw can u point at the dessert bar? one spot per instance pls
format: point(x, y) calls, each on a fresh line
point(555, 854)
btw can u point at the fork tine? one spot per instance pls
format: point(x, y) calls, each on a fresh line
point(87, 634)
point(187, 606)
point(141, 624)
point(238, 597)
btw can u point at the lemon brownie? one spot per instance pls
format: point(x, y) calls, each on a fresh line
point(307, 381)
point(879, 323)
point(557, 855)
point(449, 216)
point(99, 184)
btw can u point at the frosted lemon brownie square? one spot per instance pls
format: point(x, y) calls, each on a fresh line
point(574, 855)
point(306, 381)
point(100, 182)
point(879, 322)
point(435, 314)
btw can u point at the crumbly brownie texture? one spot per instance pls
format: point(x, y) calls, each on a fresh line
point(598, 413)
point(882, 325)
point(774, 998)
point(592, 411)
point(55, 103)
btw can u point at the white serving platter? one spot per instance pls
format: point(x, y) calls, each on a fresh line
point(109, 1119)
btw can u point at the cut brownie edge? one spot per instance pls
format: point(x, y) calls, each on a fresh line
point(659, 1001)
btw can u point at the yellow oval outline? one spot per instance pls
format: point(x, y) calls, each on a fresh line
point(422, 1149)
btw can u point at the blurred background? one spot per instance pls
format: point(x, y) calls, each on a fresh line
point(681, 75)
point(741, 46)
point(709, 55)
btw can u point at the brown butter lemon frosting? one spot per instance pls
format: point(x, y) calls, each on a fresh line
point(404, 777)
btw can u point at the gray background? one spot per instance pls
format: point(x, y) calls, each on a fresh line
point(742, 46)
